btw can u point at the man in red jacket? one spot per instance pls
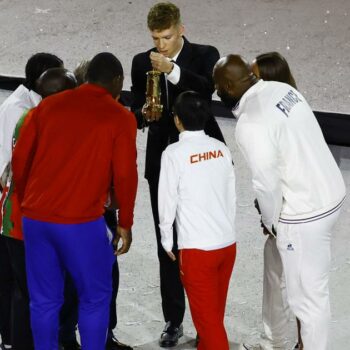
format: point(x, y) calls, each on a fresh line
point(71, 148)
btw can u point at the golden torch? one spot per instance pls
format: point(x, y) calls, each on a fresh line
point(153, 94)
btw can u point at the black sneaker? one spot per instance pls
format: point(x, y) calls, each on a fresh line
point(70, 345)
point(170, 336)
point(8, 347)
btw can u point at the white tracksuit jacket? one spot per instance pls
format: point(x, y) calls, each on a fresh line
point(197, 187)
point(295, 176)
point(11, 110)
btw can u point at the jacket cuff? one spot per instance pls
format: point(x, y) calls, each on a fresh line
point(167, 243)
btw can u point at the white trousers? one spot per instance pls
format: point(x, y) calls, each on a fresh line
point(275, 309)
point(305, 251)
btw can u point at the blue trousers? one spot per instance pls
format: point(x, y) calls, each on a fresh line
point(69, 311)
point(85, 252)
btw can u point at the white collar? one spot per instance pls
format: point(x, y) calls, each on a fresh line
point(188, 134)
point(237, 110)
point(29, 97)
point(34, 97)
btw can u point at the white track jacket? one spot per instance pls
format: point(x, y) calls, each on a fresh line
point(197, 187)
point(295, 176)
point(11, 110)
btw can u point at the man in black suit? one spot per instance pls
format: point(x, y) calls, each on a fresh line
point(184, 66)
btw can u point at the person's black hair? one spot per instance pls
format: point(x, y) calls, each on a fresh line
point(273, 66)
point(37, 65)
point(192, 110)
point(103, 68)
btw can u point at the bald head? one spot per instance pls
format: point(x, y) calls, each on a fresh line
point(55, 80)
point(233, 76)
point(232, 68)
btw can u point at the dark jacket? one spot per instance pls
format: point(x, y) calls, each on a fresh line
point(196, 63)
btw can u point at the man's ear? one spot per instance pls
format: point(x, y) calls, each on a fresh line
point(178, 124)
point(117, 85)
point(118, 82)
point(118, 79)
point(229, 87)
point(181, 29)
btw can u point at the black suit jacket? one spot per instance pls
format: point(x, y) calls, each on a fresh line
point(196, 63)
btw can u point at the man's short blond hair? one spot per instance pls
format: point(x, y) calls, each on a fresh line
point(162, 16)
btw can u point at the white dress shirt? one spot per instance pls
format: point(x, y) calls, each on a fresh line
point(174, 75)
point(197, 187)
point(295, 176)
point(11, 110)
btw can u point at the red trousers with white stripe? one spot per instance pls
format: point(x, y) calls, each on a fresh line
point(206, 276)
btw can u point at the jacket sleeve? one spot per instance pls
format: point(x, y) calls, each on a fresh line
point(8, 124)
point(167, 199)
point(124, 165)
point(200, 82)
point(232, 186)
point(23, 153)
point(262, 157)
point(138, 89)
